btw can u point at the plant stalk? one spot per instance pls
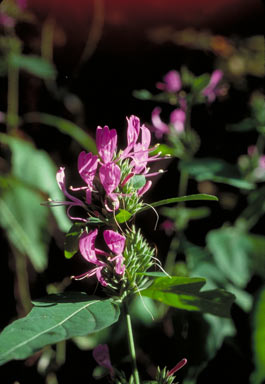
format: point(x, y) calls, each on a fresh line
point(131, 345)
point(12, 98)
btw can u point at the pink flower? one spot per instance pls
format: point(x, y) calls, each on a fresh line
point(160, 127)
point(102, 357)
point(177, 119)
point(168, 226)
point(87, 168)
point(60, 178)
point(211, 91)
point(172, 82)
point(133, 129)
point(115, 243)
point(262, 162)
point(145, 188)
point(177, 367)
point(252, 150)
point(106, 141)
point(110, 175)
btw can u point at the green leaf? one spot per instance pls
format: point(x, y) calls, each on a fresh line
point(201, 263)
point(215, 170)
point(231, 249)
point(164, 150)
point(25, 222)
point(184, 293)
point(258, 376)
point(33, 64)
point(71, 241)
point(142, 94)
point(137, 181)
point(200, 82)
point(245, 125)
point(65, 126)
point(36, 170)
point(55, 318)
point(152, 274)
point(123, 216)
point(202, 196)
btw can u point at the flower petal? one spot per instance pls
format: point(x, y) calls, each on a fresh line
point(106, 141)
point(115, 241)
point(87, 247)
point(110, 175)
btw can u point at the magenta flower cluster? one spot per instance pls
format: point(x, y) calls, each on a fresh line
point(115, 243)
point(107, 166)
point(107, 179)
point(172, 84)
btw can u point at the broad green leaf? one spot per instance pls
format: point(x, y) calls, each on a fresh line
point(36, 169)
point(202, 196)
point(184, 293)
point(258, 339)
point(201, 263)
point(25, 222)
point(33, 64)
point(231, 250)
point(64, 126)
point(216, 170)
point(55, 318)
point(137, 181)
point(123, 216)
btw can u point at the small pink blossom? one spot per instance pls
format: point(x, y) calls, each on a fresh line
point(177, 119)
point(87, 167)
point(262, 162)
point(106, 141)
point(211, 91)
point(102, 357)
point(168, 226)
point(145, 188)
point(110, 175)
point(172, 82)
point(160, 127)
point(116, 243)
point(252, 150)
point(60, 178)
point(177, 367)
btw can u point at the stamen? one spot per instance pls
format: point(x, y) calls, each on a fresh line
point(157, 215)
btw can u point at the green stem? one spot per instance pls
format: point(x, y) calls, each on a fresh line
point(12, 98)
point(47, 39)
point(22, 280)
point(60, 353)
point(183, 183)
point(131, 345)
point(171, 256)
